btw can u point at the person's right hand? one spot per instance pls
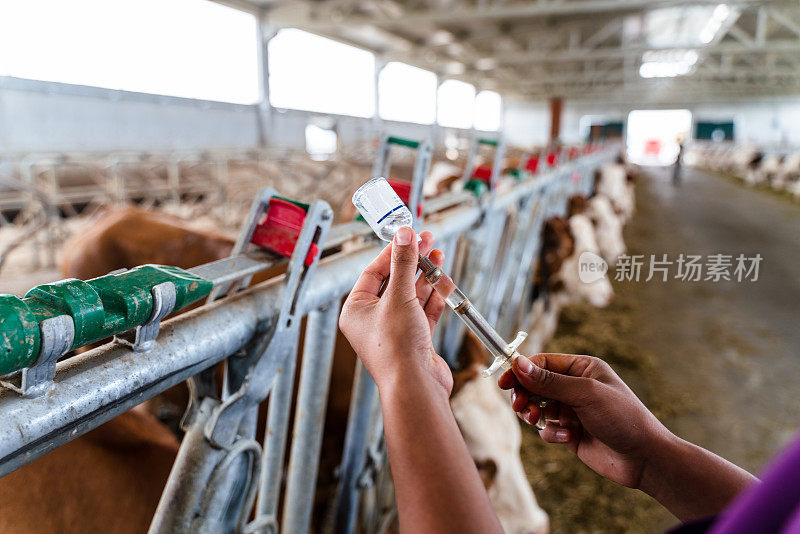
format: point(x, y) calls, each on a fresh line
point(591, 412)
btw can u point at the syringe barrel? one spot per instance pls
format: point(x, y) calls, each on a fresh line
point(481, 328)
point(461, 305)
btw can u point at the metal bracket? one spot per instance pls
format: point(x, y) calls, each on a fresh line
point(58, 334)
point(250, 378)
point(422, 167)
point(259, 206)
point(164, 297)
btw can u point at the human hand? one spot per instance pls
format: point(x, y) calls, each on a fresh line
point(592, 412)
point(392, 332)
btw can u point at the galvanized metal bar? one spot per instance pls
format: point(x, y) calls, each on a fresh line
point(280, 403)
point(309, 417)
point(362, 402)
point(511, 260)
point(191, 471)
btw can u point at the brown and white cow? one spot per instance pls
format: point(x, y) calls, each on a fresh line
point(607, 225)
point(563, 242)
point(493, 437)
point(615, 183)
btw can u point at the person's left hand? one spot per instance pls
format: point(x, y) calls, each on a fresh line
point(392, 331)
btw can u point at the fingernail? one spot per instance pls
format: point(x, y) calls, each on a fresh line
point(525, 365)
point(404, 236)
point(513, 398)
point(562, 435)
point(526, 415)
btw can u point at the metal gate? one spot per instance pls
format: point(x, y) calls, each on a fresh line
point(223, 479)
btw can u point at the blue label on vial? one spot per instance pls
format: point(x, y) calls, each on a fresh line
point(391, 211)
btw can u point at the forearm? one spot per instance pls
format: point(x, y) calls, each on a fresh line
point(690, 481)
point(437, 485)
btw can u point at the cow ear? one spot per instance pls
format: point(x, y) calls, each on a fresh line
point(472, 358)
point(487, 469)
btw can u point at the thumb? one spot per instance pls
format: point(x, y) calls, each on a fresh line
point(403, 270)
point(570, 390)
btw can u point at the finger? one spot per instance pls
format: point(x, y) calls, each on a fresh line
point(519, 399)
point(425, 243)
point(371, 280)
point(571, 390)
point(567, 417)
point(424, 288)
point(403, 266)
point(508, 380)
point(565, 364)
point(434, 308)
point(530, 414)
point(553, 433)
point(552, 411)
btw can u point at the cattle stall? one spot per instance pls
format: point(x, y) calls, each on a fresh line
point(222, 473)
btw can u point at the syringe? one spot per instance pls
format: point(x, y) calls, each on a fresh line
point(504, 353)
point(385, 212)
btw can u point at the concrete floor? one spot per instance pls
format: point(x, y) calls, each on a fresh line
point(733, 348)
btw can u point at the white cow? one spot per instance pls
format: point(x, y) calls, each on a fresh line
point(492, 434)
point(788, 173)
point(613, 183)
point(768, 169)
point(608, 228)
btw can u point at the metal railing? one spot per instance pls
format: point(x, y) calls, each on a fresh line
point(39, 190)
point(221, 473)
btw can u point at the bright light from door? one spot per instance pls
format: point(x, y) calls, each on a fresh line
point(653, 134)
point(313, 73)
point(320, 143)
point(186, 48)
point(407, 93)
point(488, 111)
point(456, 104)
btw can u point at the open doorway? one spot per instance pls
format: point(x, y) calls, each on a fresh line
point(653, 135)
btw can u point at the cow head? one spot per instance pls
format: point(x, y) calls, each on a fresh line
point(608, 228)
point(493, 437)
point(564, 240)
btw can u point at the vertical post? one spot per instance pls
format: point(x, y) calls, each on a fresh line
point(280, 402)
point(263, 110)
point(312, 396)
point(376, 118)
point(556, 105)
point(355, 449)
point(436, 129)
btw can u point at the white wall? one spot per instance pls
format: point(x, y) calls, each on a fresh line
point(526, 124)
point(764, 122)
point(771, 122)
point(40, 116)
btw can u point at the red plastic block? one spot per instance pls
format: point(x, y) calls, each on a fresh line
point(532, 165)
point(281, 228)
point(482, 173)
point(403, 190)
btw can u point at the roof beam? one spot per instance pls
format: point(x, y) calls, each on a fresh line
point(559, 56)
point(518, 10)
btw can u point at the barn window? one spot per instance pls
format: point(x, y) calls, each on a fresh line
point(187, 48)
point(320, 142)
point(407, 93)
point(456, 104)
point(313, 73)
point(488, 111)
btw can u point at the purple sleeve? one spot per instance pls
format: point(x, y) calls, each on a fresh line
point(771, 506)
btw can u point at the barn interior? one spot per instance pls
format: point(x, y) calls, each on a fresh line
point(188, 108)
